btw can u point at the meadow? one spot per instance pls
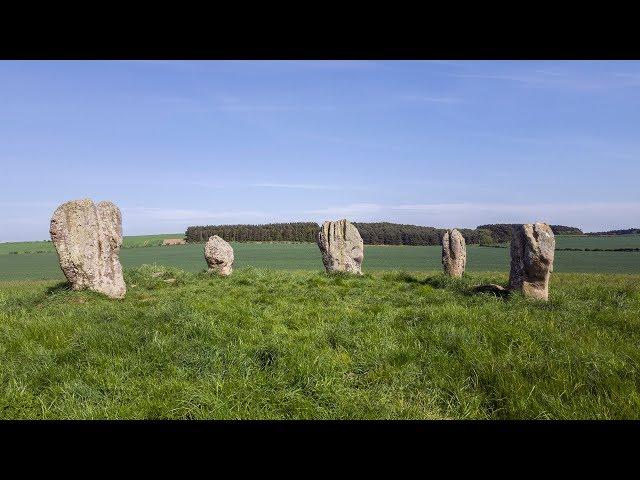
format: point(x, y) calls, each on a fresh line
point(600, 241)
point(266, 344)
point(281, 339)
point(131, 241)
point(306, 256)
point(586, 241)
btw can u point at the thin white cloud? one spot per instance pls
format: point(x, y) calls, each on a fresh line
point(449, 63)
point(593, 145)
point(589, 215)
point(175, 214)
point(306, 64)
point(29, 204)
point(506, 207)
point(270, 107)
point(260, 64)
point(553, 73)
point(300, 186)
point(352, 209)
point(558, 79)
point(510, 78)
point(272, 185)
point(429, 99)
point(227, 103)
point(254, 107)
point(160, 63)
point(353, 143)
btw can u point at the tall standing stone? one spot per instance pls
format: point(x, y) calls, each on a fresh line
point(341, 246)
point(532, 252)
point(454, 253)
point(88, 238)
point(219, 256)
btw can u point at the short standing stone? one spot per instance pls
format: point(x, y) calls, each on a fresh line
point(341, 246)
point(88, 238)
point(454, 253)
point(219, 255)
point(532, 251)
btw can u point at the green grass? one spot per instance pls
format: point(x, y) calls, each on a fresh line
point(148, 240)
point(584, 241)
point(562, 241)
point(602, 242)
point(7, 248)
point(306, 256)
point(303, 344)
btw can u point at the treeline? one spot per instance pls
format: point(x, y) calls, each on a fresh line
point(380, 233)
point(563, 230)
point(383, 233)
point(628, 231)
point(501, 232)
point(274, 232)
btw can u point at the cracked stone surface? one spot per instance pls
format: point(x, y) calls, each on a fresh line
point(88, 238)
point(454, 253)
point(532, 251)
point(219, 255)
point(341, 246)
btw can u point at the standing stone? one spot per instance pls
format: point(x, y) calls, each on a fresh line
point(88, 238)
point(532, 251)
point(341, 246)
point(454, 253)
point(219, 256)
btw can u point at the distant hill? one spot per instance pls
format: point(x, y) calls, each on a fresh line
point(628, 231)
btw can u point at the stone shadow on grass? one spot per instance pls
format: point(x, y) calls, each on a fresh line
point(497, 290)
point(435, 281)
point(459, 285)
point(60, 287)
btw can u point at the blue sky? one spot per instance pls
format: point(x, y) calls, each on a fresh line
point(439, 143)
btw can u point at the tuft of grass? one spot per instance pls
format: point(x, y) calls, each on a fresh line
point(303, 344)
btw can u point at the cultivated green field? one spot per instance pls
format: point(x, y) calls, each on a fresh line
point(127, 242)
point(591, 242)
point(306, 256)
point(584, 241)
point(303, 344)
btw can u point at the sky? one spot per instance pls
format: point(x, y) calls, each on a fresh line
point(435, 143)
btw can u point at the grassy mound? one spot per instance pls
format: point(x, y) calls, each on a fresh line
point(275, 344)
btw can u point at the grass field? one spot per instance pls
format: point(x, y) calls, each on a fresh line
point(127, 242)
point(584, 241)
point(306, 256)
point(602, 242)
point(284, 344)
point(562, 241)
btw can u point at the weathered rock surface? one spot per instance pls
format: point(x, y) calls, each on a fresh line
point(219, 255)
point(341, 246)
point(532, 252)
point(88, 238)
point(454, 253)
